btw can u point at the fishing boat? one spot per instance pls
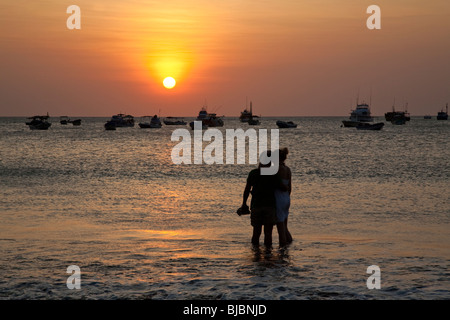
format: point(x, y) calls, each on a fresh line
point(208, 119)
point(174, 121)
point(249, 117)
point(122, 120)
point(389, 116)
point(39, 122)
point(286, 124)
point(359, 115)
point(150, 122)
point(370, 126)
point(246, 115)
point(443, 115)
point(427, 117)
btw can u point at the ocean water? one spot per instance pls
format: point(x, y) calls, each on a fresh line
point(140, 227)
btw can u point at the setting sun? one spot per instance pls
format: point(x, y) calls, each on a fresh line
point(169, 82)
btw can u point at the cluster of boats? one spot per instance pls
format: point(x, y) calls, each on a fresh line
point(361, 118)
point(442, 115)
point(126, 120)
point(208, 120)
point(42, 123)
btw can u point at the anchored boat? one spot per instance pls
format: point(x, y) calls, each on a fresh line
point(150, 122)
point(359, 115)
point(396, 115)
point(122, 120)
point(208, 119)
point(39, 122)
point(286, 124)
point(174, 121)
point(443, 115)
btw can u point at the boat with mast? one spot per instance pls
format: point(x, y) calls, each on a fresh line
point(208, 119)
point(39, 122)
point(443, 115)
point(249, 117)
point(398, 116)
point(361, 114)
point(246, 115)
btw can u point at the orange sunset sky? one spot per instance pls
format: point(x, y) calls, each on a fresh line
point(290, 57)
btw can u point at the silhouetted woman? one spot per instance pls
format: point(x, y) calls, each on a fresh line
point(283, 199)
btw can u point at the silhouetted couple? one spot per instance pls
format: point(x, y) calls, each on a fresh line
point(270, 201)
